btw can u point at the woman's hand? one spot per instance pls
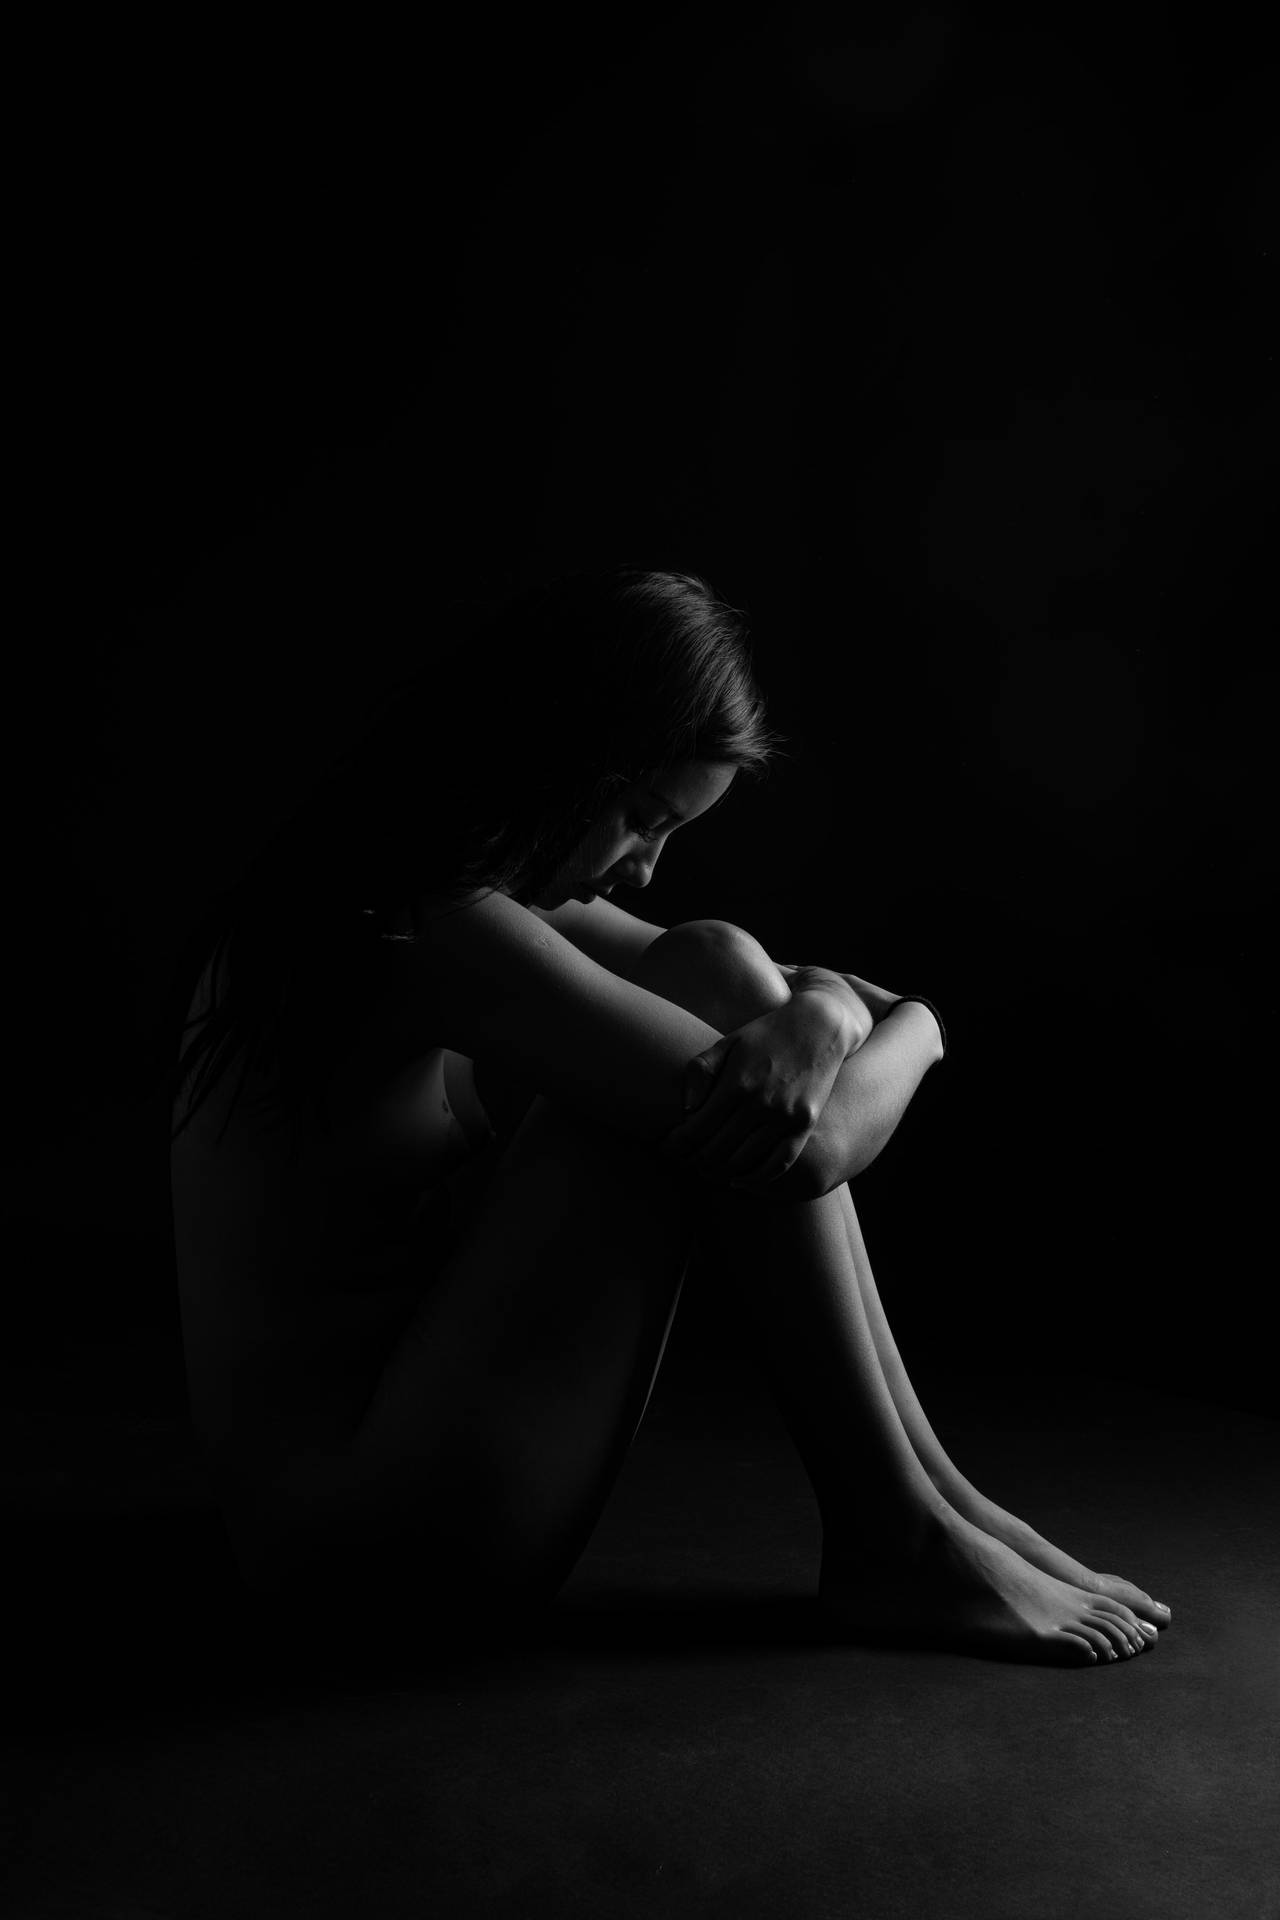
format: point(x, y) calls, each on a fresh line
point(757, 1094)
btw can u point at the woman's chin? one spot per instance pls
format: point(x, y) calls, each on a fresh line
point(547, 900)
point(559, 894)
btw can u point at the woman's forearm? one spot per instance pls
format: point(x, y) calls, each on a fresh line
point(872, 1091)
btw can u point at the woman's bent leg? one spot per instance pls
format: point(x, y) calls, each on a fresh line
point(898, 1562)
point(497, 1428)
point(502, 1417)
point(896, 1554)
point(958, 1491)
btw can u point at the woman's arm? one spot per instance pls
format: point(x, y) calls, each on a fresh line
point(872, 1091)
point(865, 1106)
point(611, 936)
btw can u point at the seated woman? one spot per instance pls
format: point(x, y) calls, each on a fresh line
point(431, 1242)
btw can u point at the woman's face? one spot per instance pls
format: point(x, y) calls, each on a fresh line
point(627, 840)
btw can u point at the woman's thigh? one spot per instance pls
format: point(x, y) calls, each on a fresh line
point(495, 1428)
point(501, 1418)
point(710, 967)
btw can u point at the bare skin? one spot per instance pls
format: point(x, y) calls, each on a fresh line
point(900, 1562)
point(912, 1552)
point(959, 1492)
point(472, 1454)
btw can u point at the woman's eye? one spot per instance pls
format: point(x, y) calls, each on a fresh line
point(646, 833)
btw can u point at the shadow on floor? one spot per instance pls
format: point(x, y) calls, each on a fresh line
point(682, 1731)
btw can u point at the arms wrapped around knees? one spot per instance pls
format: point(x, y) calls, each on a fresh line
point(905, 1036)
point(872, 1091)
point(754, 1098)
point(776, 1106)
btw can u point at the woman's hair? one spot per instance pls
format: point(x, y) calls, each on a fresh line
point(483, 772)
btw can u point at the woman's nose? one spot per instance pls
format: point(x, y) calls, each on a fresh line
point(639, 872)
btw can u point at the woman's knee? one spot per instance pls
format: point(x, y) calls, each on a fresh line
point(714, 969)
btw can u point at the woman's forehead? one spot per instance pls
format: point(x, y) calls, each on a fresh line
point(686, 787)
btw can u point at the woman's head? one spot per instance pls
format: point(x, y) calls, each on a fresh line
point(626, 841)
point(611, 678)
point(518, 757)
point(554, 703)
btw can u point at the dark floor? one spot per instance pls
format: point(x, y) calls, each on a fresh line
point(677, 1737)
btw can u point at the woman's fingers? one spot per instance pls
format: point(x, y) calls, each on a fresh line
point(771, 1168)
point(736, 1135)
point(697, 1129)
point(750, 1154)
point(730, 1137)
point(737, 1146)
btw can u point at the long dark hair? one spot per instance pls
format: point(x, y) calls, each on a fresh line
point(485, 772)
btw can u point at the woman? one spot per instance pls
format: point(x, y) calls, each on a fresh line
point(431, 1241)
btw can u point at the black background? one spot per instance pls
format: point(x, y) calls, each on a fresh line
point(946, 347)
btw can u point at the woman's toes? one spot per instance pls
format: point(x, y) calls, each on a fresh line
point(1117, 1610)
point(1113, 1631)
point(1149, 1629)
point(1131, 1638)
point(1147, 1608)
point(1114, 1587)
point(1084, 1653)
point(1102, 1647)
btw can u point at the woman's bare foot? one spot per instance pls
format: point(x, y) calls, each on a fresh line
point(1032, 1546)
point(957, 1492)
point(960, 1588)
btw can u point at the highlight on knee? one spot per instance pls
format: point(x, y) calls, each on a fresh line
point(717, 970)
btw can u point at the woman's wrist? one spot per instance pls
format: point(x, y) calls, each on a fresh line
point(879, 1001)
point(863, 998)
point(918, 1000)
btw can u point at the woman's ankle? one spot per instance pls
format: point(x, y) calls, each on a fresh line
point(880, 1532)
